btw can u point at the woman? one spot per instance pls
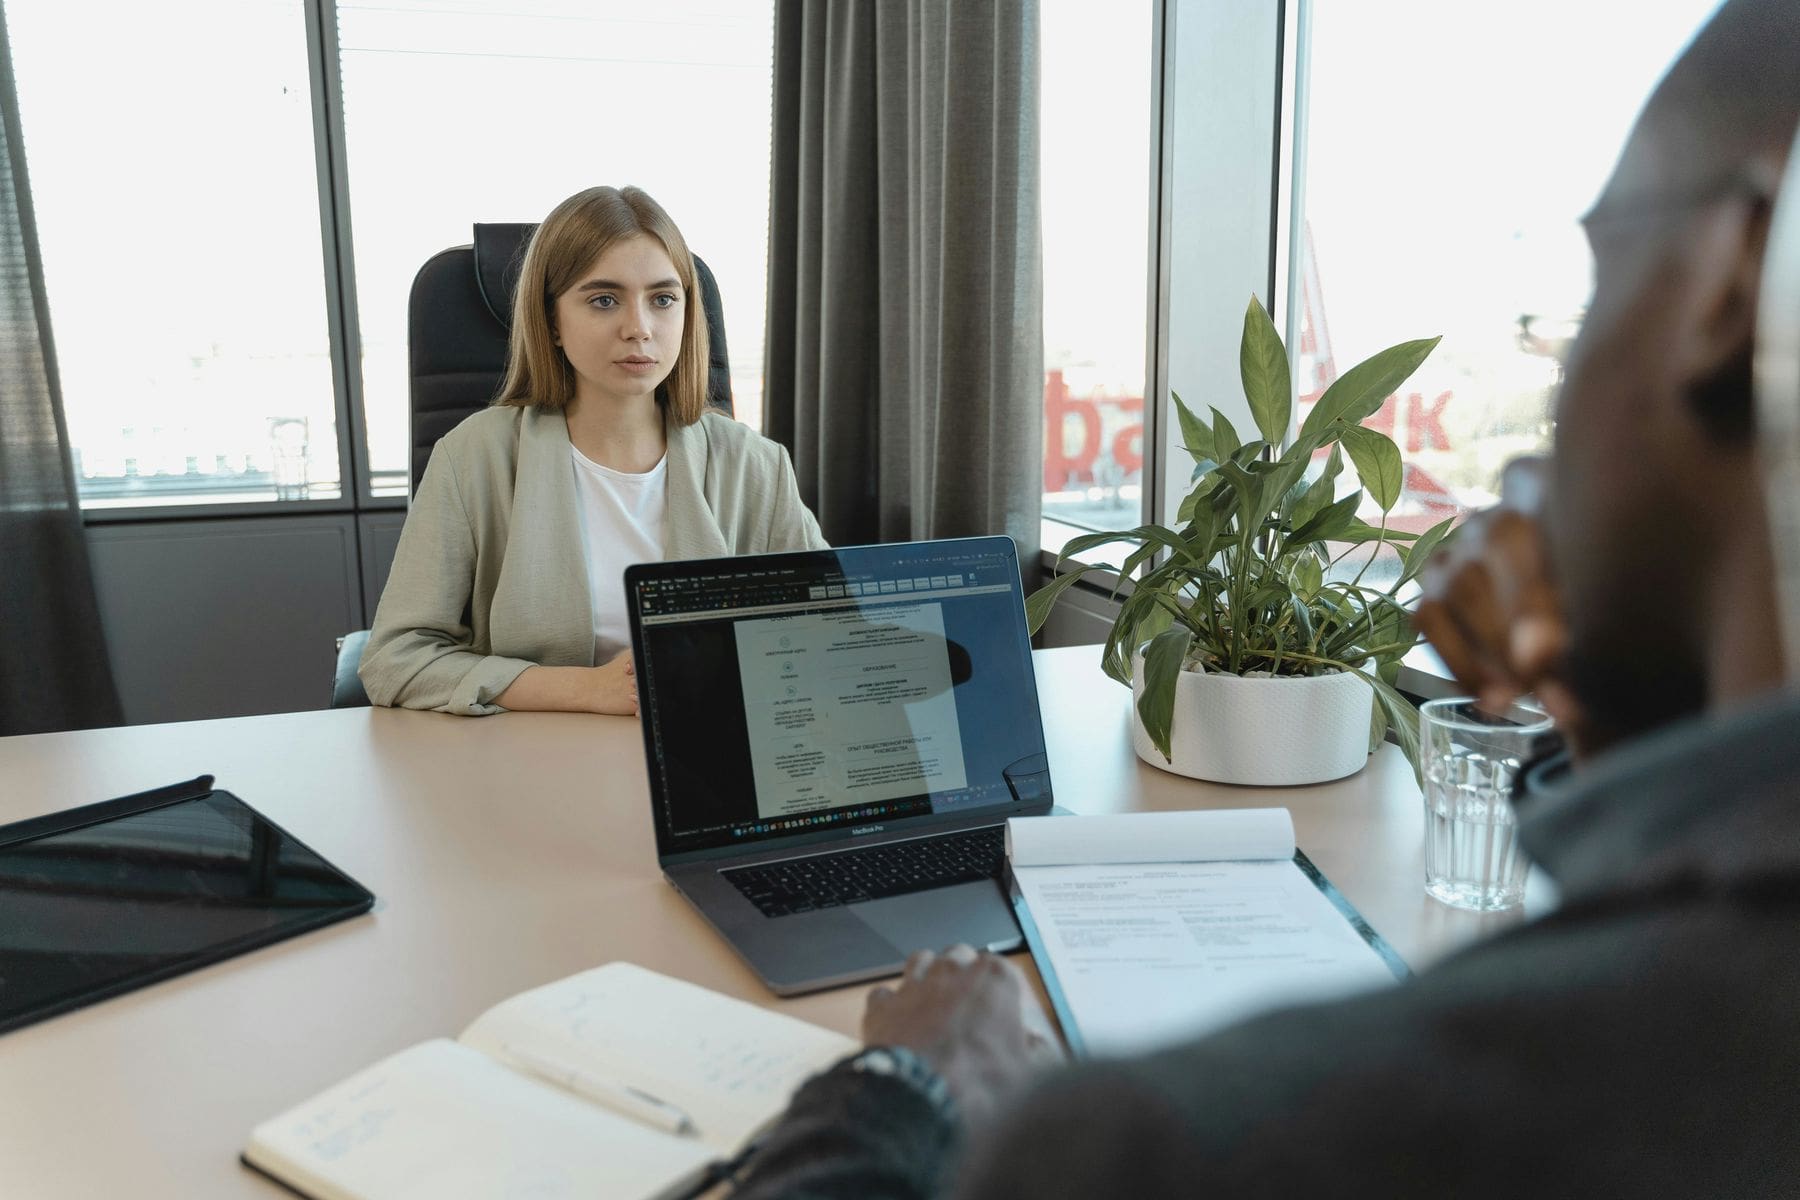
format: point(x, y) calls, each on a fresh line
point(600, 451)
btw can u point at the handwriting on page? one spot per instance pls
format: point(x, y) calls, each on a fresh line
point(442, 1120)
point(728, 1065)
point(336, 1129)
point(763, 1059)
point(747, 1069)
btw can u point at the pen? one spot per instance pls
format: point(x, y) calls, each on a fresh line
point(620, 1097)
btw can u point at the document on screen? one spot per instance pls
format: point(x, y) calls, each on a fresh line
point(1152, 927)
point(849, 706)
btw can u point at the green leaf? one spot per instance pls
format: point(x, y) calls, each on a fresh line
point(1359, 532)
point(1420, 551)
point(1225, 436)
point(1328, 524)
point(1115, 656)
point(1143, 554)
point(1040, 602)
point(1154, 622)
point(1162, 671)
point(1402, 717)
point(1087, 541)
point(1309, 577)
point(1321, 491)
point(1269, 595)
point(1302, 615)
point(1300, 451)
point(1268, 385)
point(1195, 435)
point(1249, 454)
point(1377, 462)
point(1358, 392)
point(1202, 528)
point(1247, 488)
point(1166, 538)
point(1285, 476)
point(1202, 469)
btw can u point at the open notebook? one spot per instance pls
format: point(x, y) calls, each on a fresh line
point(616, 1082)
point(1149, 927)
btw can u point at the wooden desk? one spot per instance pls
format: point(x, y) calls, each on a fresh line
point(506, 852)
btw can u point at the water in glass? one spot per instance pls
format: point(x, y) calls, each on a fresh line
point(1472, 856)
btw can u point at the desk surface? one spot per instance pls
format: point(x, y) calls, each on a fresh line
point(506, 852)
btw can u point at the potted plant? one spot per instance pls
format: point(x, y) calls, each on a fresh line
point(1251, 640)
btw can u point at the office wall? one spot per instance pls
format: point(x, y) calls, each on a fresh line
point(230, 617)
point(379, 534)
point(239, 616)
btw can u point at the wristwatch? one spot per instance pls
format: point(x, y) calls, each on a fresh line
point(910, 1068)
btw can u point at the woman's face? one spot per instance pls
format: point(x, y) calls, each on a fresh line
point(620, 325)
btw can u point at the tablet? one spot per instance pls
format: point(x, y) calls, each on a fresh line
point(98, 900)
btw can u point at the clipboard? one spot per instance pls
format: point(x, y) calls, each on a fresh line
point(1058, 994)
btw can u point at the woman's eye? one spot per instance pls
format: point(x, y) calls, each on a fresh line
point(665, 300)
point(604, 302)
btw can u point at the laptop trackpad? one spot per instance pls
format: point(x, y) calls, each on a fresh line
point(975, 913)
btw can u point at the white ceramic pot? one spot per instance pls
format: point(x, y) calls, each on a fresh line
point(1280, 731)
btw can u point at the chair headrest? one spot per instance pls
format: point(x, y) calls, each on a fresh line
point(499, 254)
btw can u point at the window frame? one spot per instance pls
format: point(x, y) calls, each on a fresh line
point(1234, 52)
point(326, 98)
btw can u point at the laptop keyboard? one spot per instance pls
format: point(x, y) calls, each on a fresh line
point(800, 885)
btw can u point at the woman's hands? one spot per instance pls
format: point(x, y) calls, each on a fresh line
point(615, 686)
point(609, 688)
point(973, 1018)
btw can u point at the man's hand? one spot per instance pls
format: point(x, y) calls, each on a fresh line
point(1490, 607)
point(614, 686)
point(973, 1017)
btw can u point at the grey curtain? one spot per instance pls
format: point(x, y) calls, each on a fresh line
point(53, 666)
point(904, 364)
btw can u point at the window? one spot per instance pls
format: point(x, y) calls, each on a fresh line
point(458, 112)
point(1095, 196)
point(177, 213)
point(1443, 187)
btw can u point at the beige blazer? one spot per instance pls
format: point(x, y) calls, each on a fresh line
point(489, 577)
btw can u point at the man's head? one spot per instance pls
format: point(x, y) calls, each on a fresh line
point(1657, 516)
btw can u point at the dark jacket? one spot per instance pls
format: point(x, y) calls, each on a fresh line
point(1642, 1040)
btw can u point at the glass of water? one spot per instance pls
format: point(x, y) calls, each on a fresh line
point(1472, 759)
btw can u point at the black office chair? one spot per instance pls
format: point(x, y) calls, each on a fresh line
point(457, 320)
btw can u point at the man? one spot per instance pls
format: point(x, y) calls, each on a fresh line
point(1645, 1038)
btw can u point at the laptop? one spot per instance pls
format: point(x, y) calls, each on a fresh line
point(835, 741)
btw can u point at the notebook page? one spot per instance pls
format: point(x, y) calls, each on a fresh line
point(729, 1065)
point(441, 1120)
point(1203, 835)
point(1150, 953)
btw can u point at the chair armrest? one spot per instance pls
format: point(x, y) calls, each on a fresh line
point(346, 688)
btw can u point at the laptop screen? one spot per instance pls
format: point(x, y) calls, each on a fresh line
point(830, 691)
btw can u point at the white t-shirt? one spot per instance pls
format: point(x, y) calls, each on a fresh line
point(623, 521)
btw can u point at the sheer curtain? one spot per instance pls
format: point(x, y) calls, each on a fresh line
point(54, 672)
point(905, 344)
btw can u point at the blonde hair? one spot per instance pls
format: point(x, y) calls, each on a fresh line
point(578, 231)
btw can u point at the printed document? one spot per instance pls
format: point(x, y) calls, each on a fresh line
point(849, 707)
point(1162, 926)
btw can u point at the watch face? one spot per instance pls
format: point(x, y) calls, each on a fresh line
point(911, 1069)
point(877, 1060)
